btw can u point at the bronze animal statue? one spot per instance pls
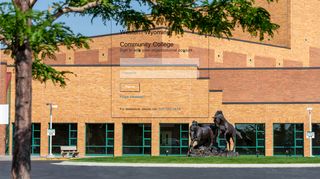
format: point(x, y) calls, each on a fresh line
point(226, 129)
point(202, 136)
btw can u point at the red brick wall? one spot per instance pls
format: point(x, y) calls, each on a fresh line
point(267, 85)
point(314, 54)
point(260, 61)
point(232, 59)
point(86, 57)
point(291, 63)
point(3, 100)
point(60, 59)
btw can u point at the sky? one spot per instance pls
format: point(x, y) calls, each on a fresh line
point(82, 24)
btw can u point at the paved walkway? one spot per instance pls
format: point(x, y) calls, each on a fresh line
point(46, 170)
point(166, 165)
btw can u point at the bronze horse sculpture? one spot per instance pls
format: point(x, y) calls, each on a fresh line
point(226, 129)
point(202, 136)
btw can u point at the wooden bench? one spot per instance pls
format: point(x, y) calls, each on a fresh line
point(66, 151)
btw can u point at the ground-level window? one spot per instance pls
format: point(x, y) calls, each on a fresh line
point(65, 135)
point(316, 140)
point(174, 139)
point(253, 139)
point(288, 139)
point(35, 138)
point(7, 139)
point(99, 139)
point(136, 139)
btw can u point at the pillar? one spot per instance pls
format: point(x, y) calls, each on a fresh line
point(269, 138)
point(81, 139)
point(155, 147)
point(117, 139)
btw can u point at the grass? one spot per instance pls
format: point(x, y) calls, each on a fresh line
point(201, 160)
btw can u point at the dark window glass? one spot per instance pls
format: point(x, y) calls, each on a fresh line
point(147, 127)
point(288, 139)
point(147, 142)
point(99, 139)
point(299, 143)
point(73, 134)
point(316, 140)
point(110, 127)
point(316, 151)
point(61, 135)
point(110, 134)
point(132, 134)
point(95, 150)
point(170, 138)
point(36, 141)
point(283, 134)
point(35, 150)
point(185, 127)
point(316, 130)
point(73, 142)
point(110, 150)
point(252, 141)
point(170, 150)
point(96, 134)
point(36, 134)
point(299, 127)
point(36, 126)
point(185, 143)
point(261, 143)
point(184, 134)
point(110, 142)
point(73, 127)
point(299, 135)
point(132, 150)
point(147, 135)
point(147, 150)
point(135, 138)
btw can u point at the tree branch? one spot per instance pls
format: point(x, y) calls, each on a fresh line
point(66, 10)
point(32, 3)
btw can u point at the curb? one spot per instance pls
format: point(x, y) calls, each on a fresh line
point(166, 165)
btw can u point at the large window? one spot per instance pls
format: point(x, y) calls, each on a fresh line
point(288, 139)
point(253, 139)
point(65, 135)
point(7, 139)
point(174, 139)
point(99, 139)
point(316, 140)
point(35, 138)
point(136, 139)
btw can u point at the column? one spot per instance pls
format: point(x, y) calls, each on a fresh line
point(155, 146)
point(81, 139)
point(269, 139)
point(117, 139)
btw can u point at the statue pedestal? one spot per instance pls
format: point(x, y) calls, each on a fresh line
point(211, 152)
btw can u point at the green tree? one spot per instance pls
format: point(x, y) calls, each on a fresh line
point(30, 36)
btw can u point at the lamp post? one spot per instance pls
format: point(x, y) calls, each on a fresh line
point(309, 133)
point(51, 131)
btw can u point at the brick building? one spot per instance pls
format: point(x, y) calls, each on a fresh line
point(136, 93)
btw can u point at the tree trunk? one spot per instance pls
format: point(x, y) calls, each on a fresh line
point(21, 164)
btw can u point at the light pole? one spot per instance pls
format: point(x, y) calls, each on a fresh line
point(51, 131)
point(310, 135)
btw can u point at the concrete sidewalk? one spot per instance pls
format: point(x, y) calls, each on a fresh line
point(167, 165)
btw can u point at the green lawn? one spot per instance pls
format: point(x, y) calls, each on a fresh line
point(204, 160)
